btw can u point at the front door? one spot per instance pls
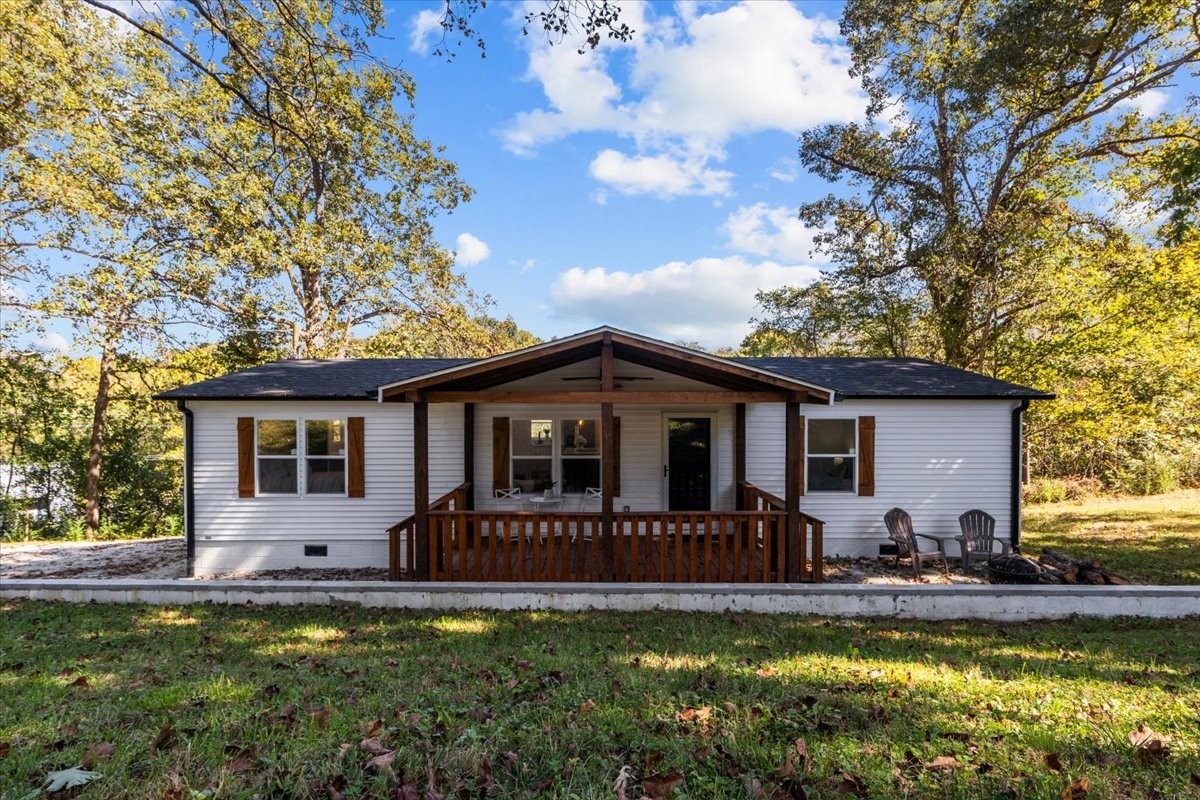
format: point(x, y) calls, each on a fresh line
point(689, 463)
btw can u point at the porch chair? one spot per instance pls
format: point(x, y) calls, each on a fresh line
point(978, 536)
point(900, 530)
point(508, 499)
point(589, 503)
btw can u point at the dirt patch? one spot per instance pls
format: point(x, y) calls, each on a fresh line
point(130, 558)
point(884, 571)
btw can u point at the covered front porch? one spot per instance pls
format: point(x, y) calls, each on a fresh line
point(735, 533)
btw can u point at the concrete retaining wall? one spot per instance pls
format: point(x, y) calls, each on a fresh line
point(1000, 603)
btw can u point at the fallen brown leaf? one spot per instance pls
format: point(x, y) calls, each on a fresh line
point(166, 737)
point(1148, 746)
point(371, 727)
point(660, 787)
point(5, 748)
point(382, 761)
point(97, 752)
point(587, 705)
point(82, 682)
point(943, 762)
point(321, 716)
point(373, 746)
point(697, 715)
point(850, 784)
point(243, 759)
point(1054, 762)
point(1078, 789)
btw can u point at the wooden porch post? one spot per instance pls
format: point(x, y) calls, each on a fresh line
point(421, 486)
point(469, 453)
point(739, 455)
point(792, 473)
point(608, 458)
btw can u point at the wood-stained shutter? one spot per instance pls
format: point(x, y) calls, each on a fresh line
point(866, 456)
point(245, 456)
point(616, 487)
point(355, 458)
point(500, 465)
point(803, 460)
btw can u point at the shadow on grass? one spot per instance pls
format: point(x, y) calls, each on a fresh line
point(457, 693)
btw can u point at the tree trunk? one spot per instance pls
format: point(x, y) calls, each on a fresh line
point(96, 447)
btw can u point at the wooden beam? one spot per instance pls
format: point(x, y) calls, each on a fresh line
point(469, 452)
point(614, 396)
point(792, 473)
point(739, 453)
point(421, 487)
point(608, 461)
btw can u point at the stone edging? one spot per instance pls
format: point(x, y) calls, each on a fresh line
point(970, 601)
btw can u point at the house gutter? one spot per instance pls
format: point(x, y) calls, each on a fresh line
point(189, 492)
point(1015, 500)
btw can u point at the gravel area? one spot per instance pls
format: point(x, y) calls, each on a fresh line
point(164, 558)
point(127, 558)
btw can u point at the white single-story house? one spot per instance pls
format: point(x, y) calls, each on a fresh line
point(601, 456)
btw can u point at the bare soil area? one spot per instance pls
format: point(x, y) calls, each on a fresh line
point(127, 558)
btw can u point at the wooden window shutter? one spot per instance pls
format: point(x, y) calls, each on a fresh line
point(245, 456)
point(355, 458)
point(803, 459)
point(866, 456)
point(500, 465)
point(616, 487)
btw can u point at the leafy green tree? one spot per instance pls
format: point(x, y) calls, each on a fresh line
point(988, 124)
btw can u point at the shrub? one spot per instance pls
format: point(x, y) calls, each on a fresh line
point(1056, 490)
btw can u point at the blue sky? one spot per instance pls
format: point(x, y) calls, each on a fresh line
point(650, 185)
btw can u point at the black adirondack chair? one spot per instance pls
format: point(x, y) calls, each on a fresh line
point(978, 537)
point(900, 530)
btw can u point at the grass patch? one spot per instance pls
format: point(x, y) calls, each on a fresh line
point(1153, 539)
point(296, 702)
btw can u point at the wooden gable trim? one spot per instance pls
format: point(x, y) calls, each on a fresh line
point(606, 343)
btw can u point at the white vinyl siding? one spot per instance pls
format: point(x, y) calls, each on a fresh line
point(252, 533)
point(933, 458)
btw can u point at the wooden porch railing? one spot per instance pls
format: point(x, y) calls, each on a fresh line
point(812, 530)
point(402, 535)
point(731, 546)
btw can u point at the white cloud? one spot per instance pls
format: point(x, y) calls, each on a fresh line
point(710, 300)
point(426, 28)
point(694, 81)
point(53, 341)
point(772, 232)
point(1149, 102)
point(662, 175)
point(470, 250)
point(785, 170)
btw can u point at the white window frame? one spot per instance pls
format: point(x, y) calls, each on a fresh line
point(301, 456)
point(809, 454)
point(556, 446)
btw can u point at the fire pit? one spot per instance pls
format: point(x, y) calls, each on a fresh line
point(1014, 569)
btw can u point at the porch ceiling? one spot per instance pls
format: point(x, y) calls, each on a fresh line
point(477, 381)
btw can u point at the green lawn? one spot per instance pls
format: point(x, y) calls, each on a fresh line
point(229, 702)
point(1148, 539)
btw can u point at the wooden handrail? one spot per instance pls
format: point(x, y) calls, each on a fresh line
point(756, 499)
point(455, 499)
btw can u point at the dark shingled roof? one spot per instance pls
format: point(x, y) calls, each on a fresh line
point(357, 379)
point(894, 377)
point(311, 379)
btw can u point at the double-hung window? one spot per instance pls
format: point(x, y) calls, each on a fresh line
point(562, 455)
point(831, 455)
point(281, 445)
